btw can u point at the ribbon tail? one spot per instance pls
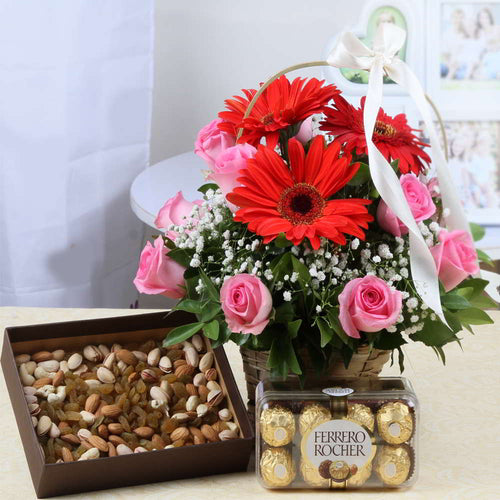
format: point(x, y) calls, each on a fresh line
point(423, 267)
point(401, 73)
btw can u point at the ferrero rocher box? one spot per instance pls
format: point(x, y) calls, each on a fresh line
point(62, 461)
point(336, 433)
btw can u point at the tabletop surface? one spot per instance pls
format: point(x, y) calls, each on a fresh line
point(459, 434)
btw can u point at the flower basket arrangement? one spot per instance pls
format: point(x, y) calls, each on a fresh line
point(292, 253)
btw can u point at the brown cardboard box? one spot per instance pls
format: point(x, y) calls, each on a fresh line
point(138, 468)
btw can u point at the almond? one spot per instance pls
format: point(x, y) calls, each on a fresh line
point(67, 456)
point(211, 374)
point(40, 356)
point(184, 370)
point(22, 358)
point(126, 356)
point(111, 411)
point(71, 438)
point(179, 433)
point(191, 390)
point(133, 377)
point(115, 428)
point(198, 437)
point(203, 392)
point(92, 403)
point(157, 442)
point(58, 378)
point(144, 432)
point(179, 362)
point(98, 443)
point(111, 450)
point(219, 426)
point(103, 431)
point(42, 381)
point(116, 440)
point(209, 433)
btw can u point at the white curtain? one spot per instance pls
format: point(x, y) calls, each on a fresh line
point(75, 111)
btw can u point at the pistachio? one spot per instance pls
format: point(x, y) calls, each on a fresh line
point(227, 434)
point(84, 434)
point(140, 449)
point(105, 375)
point(104, 350)
point(115, 347)
point(74, 361)
point(206, 361)
point(31, 399)
point(212, 385)
point(26, 378)
point(181, 417)
point(109, 360)
point(34, 409)
point(34, 421)
point(123, 449)
point(215, 397)
point(92, 353)
point(51, 365)
point(41, 356)
point(154, 357)
point(122, 366)
point(140, 356)
point(197, 342)
point(159, 394)
point(192, 356)
point(192, 403)
point(90, 454)
point(92, 383)
point(165, 364)
point(44, 425)
point(167, 387)
point(158, 404)
point(225, 414)
point(29, 391)
point(199, 379)
point(54, 431)
point(149, 375)
point(22, 358)
point(232, 426)
point(87, 417)
point(58, 355)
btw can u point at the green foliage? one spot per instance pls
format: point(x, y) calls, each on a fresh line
point(477, 231)
point(181, 333)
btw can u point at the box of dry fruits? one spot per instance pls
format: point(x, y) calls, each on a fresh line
point(336, 433)
point(101, 404)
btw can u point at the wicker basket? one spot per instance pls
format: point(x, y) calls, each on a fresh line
point(364, 363)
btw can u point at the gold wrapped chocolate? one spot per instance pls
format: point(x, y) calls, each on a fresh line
point(395, 422)
point(277, 469)
point(312, 416)
point(393, 464)
point(339, 470)
point(312, 476)
point(277, 426)
point(360, 477)
point(362, 415)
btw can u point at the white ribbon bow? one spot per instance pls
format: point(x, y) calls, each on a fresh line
point(350, 52)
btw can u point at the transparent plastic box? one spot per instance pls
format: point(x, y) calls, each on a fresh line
point(336, 433)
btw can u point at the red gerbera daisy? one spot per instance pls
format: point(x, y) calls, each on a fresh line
point(392, 136)
point(282, 104)
point(277, 199)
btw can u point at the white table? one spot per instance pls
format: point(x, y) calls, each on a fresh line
point(153, 187)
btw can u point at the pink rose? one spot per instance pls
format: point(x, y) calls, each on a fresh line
point(419, 199)
point(368, 304)
point(211, 142)
point(177, 210)
point(433, 187)
point(246, 303)
point(228, 165)
point(158, 274)
point(455, 257)
point(305, 133)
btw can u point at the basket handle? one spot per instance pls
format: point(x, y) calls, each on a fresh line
point(324, 63)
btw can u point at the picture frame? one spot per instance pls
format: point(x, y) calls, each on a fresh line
point(463, 58)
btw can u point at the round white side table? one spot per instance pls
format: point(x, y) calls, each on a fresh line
point(153, 187)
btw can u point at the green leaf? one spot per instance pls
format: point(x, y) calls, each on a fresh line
point(474, 316)
point(434, 333)
point(284, 313)
point(301, 269)
point(189, 305)
point(477, 231)
point(454, 301)
point(388, 341)
point(453, 321)
point(291, 358)
point(211, 330)
point(293, 328)
point(325, 331)
point(401, 360)
point(180, 256)
point(282, 242)
point(276, 360)
point(240, 338)
point(209, 311)
point(333, 318)
point(362, 175)
point(211, 185)
point(484, 257)
point(182, 333)
point(209, 286)
point(483, 302)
